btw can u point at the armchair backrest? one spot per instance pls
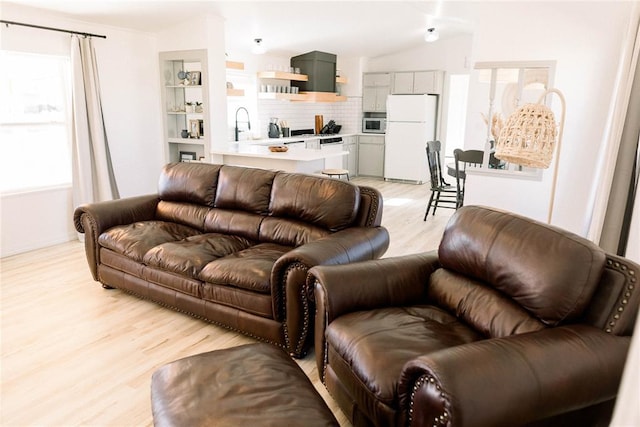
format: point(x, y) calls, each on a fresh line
point(505, 274)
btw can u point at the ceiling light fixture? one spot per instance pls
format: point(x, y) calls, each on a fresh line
point(258, 47)
point(431, 35)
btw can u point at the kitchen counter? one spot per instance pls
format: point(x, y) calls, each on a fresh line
point(256, 154)
point(290, 140)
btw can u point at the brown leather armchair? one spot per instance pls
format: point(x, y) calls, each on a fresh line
point(511, 322)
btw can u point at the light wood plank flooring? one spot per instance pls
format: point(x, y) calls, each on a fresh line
point(75, 354)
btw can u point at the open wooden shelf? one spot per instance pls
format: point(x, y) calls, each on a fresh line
point(282, 96)
point(235, 92)
point(234, 65)
point(282, 75)
point(321, 97)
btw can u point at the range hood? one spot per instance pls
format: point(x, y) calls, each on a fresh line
point(320, 67)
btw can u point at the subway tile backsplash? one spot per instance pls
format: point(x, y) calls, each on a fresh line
point(301, 115)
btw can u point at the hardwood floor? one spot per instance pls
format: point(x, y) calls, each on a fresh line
point(75, 354)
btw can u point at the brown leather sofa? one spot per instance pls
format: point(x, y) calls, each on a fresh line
point(233, 245)
point(511, 322)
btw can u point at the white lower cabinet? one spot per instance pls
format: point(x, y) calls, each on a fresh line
point(350, 161)
point(371, 155)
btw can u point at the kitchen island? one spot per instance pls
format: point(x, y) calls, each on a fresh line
point(296, 159)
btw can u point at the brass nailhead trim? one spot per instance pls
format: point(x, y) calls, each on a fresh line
point(624, 299)
point(438, 421)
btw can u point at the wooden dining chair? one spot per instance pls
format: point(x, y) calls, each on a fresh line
point(442, 194)
point(463, 160)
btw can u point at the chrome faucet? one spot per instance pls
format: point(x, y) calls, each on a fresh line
point(248, 121)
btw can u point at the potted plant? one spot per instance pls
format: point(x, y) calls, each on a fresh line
point(188, 107)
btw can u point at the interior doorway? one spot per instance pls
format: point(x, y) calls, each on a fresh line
point(456, 114)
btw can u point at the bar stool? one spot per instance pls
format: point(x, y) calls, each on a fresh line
point(336, 172)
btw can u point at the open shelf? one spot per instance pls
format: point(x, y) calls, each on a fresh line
point(282, 75)
point(234, 65)
point(321, 97)
point(235, 92)
point(282, 96)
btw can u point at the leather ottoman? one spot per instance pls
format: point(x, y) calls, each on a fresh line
point(251, 385)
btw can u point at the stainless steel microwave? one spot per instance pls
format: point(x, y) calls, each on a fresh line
point(374, 125)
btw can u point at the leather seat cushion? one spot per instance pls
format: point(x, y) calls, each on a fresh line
point(371, 347)
point(249, 385)
point(190, 255)
point(135, 240)
point(248, 269)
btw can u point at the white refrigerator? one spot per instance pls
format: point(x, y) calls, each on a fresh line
point(411, 122)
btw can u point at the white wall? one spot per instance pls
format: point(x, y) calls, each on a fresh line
point(451, 55)
point(585, 39)
point(131, 104)
point(207, 32)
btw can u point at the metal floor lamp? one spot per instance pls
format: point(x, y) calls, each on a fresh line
point(530, 136)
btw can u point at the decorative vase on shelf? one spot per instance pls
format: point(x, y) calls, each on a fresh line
point(184, 133)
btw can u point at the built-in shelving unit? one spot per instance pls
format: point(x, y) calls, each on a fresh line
point(184, 104)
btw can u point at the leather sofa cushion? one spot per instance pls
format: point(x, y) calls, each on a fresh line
point(233, 222)
point(135, 240)
point(550, 272)
point(189, 182)
point(376, 344)
point(247, 269)
point(182, 213)
point(244, 189)
point(238, 299)
point(327, 203)
point(289, 232)
point(484, 308)
point(188, 256)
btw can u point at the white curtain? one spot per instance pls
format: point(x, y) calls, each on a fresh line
point(93, 177)
point(610, 148)
point(627, 411)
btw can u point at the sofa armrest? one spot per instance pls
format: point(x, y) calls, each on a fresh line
point(292, 300)
point(366, 285)
point(93, 219)
point(514, 380)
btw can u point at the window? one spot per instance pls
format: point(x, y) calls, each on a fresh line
point(505, 86)
point(35, 143)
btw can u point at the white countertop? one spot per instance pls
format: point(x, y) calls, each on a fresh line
point(284, 141)
point(257, 150)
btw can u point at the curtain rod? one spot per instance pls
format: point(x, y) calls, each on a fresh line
point(52, 29)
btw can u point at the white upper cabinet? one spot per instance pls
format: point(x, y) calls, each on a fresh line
point(376, 79)
point(402, 83)
point(374, 98)
point(375, 88)
point(418, 82)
